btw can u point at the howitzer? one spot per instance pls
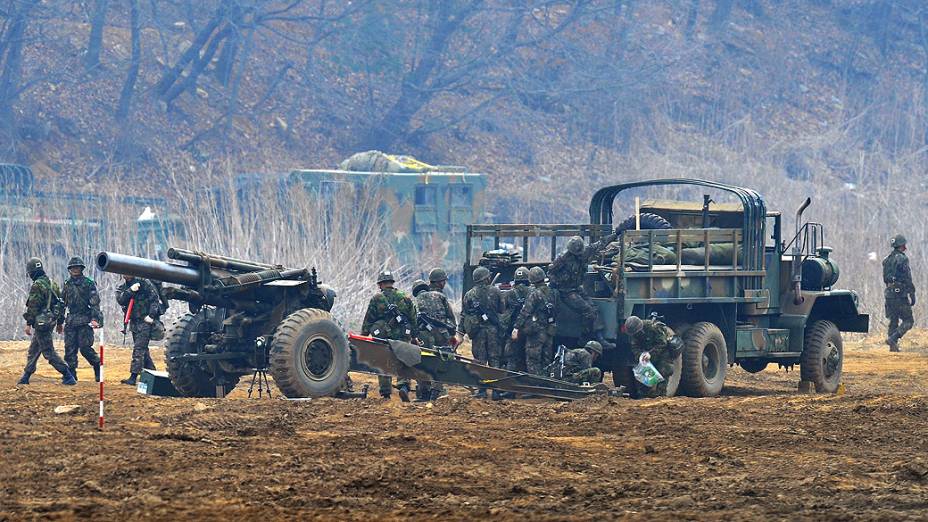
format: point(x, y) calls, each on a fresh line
point(244, 316)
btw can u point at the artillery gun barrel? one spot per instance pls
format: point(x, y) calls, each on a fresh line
point(147, 268)
point(223, 262)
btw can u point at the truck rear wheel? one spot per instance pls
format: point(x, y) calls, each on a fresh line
point(705, 360)
point(309, 354)
point(189, 378)
point(822, 357)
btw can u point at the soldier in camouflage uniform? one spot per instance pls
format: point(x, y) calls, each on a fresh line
point(437, 324)
point(146, 308)
point(663, 345)
point(566, 274)
point(83, 315)
point(480, 313)
point(513, 302)
point(535, 324)
point(578, 364)
point(43, 314)
point(899, 294)
point(391, 314)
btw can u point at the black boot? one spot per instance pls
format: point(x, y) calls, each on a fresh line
point(96, 372)
point(68, 379)
point(602, 340)
point(24, 379)
point(404, 392)
point(74, 373)
point(131, 380)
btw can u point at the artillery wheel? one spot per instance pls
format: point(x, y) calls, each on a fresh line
point(189, 378)
point(705, 360)
point(822, 357)
point(753, 365)
point(309, 354)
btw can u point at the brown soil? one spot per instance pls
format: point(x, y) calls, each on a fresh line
point(761, 451)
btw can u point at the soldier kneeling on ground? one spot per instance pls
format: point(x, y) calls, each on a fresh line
point(578, 364)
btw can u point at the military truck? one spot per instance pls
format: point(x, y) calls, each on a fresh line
point(722, 275)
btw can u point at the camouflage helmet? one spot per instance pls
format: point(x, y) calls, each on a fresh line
point(33, 265)
point(437, 275)
point(897, 241)
point(575, 245)
point(536, 275)
point(419, 286)
point(521, 274)
point(76, 261)
point(481, 273)
point(385, 276)
point(594, 347)
point(633, 325)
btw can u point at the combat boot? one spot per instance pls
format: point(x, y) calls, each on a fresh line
point(404, 392)
point(24, 379)
point(602, 340)
point(68, 379)
point(74, 373)
point(131, 380)
point(96, 372)
point(893, 343)
point(480, 394)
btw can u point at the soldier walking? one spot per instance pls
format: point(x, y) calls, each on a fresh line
point(480, 313)
point(900, 292)
point(660, 342)
point(82, 304)
point(513, 302)
point(390, 314)
point(437, 324)
point(535, 324)
point(43, 313)
point(566, 275)
point(146, 308)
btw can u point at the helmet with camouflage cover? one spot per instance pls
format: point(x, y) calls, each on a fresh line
point(437, 275)
point(75, 262)
point(419, 286)
point(385, 277)
point(897, 241)
point(575, 245)
point(536, 275)
point(521, 274)
point(33, 266)
point(594, 347)
point(633, 325)
point(481, 273)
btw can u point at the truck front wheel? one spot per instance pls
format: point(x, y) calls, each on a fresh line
point(822, 356)
point(705, 360)
point(309, 354)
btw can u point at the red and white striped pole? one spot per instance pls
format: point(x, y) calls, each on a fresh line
point(101, 378)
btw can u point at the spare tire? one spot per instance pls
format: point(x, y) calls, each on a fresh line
point(647, 221)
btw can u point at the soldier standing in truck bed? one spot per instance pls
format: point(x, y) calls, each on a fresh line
point(83, 315)
point(536, 325)
point(899, 293)
point(437, 324)
point(43, 314)
point(566, 275)
point(480, 313)
point(513, 301)
point(391, 314)
point(146, 309)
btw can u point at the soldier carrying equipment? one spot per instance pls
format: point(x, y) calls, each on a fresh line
point(83, 315)
point(389, 316)
point(44, 312)
point(480, 320)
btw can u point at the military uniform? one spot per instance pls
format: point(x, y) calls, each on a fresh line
point(513, 303)
point(578, 367)
point(536, 325)
point(566, 274)
point(391, 314)
point(147, 304)
point(83, 306)
point(434, 311)
point(43, 306)
point(656, 338)
point(899, 294)
point(480, 320)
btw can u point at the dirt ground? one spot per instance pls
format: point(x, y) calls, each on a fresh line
point(761, 451)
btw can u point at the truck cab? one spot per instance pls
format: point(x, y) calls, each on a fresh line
point(721, 275)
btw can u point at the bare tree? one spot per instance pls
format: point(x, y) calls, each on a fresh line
point(95, 41)
point(11, 54)
point(128, 86)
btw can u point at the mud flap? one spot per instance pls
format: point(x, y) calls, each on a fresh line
point(408, 354)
